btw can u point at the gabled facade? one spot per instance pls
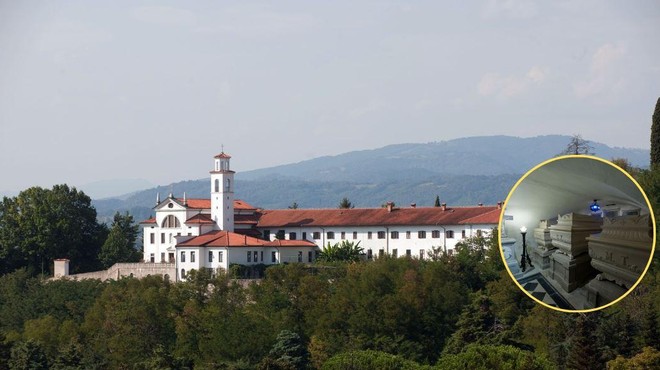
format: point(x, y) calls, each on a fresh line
point(214, 233)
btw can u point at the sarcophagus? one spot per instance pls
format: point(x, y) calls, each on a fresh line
point(570, 233)
point(622, 250)
point(570, 272)
point(544, 248)
point(542, 234)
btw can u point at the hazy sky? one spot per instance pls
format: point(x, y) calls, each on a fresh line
point(94, 90)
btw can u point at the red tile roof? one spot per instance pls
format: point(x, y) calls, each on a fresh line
point(222, 239)
point(222, 155)
point(379, 216)
point(243, 205)
point(149, 221)
point(246, 219)
point(198, 203)
point(492, 217)
point(290, 243)
point(200, 219)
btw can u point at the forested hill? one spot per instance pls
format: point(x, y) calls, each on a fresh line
point(480, 155)
point(464, 171)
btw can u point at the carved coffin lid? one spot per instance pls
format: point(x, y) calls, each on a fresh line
point(577, 222)
point(544, 224)
point(632, 231)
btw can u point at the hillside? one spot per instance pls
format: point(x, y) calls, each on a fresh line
point(462, 172)
point(481, 155)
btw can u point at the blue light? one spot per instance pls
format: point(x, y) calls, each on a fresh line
point(594, 207)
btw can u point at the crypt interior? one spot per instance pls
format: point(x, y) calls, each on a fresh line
point(588, 235)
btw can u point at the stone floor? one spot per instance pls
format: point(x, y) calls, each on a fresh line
point(542, 290)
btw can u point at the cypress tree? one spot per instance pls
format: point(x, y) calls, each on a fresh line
point(437, 201)
point(650, 333)
point(655, 136)
point(583, 353)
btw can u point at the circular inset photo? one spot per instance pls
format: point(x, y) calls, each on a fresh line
point(577, 233)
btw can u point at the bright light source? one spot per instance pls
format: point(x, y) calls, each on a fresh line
point(523, 229)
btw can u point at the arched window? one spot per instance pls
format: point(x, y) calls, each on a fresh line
point(171, 222)
point(228, 184)
point(217, 185)
point(183, 273)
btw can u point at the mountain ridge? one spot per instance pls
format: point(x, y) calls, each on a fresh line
point(463, 171)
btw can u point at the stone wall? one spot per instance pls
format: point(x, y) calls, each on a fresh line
point(137, 270)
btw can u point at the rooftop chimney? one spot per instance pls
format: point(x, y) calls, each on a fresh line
point(499, 205)
point(389, 206)
point(61, 268)
point(413, 205)
point(480, 204)
point(443, 206)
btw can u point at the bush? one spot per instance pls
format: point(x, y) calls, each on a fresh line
point(367, 360)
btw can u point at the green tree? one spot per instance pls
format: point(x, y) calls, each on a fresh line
point(655, 135)
point(368, 360)
point(40, 225)
point(402, 306)
point(5, 352)
point(129, 319)
point(120, 244)
point(44, 330)
point(583, 351)
point(346, 251)
point(162, 359)
point(490, 357)
point(69, 358)
point(289, 351)
point(293, 205)
point(476, 260)
point(650, 334)
point(345, 204)
point(437, 201)
point(649, 358)
point(477, 324)
point(28, 355)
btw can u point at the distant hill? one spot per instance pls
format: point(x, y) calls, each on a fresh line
point(480, 155)
point(462, 172)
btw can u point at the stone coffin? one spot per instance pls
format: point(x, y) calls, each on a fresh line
point(599, 292)
point(542, 234)
point(544, 248)
point(570, 272)
point(570, 233)
point(622, 250)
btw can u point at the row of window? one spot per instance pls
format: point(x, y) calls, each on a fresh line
point(152, 258)
point(393, 234)
point(255, 256)
point(330, 235)
point(395, 253)
point(252, 256)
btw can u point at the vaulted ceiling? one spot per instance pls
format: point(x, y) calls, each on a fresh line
point(570, 185)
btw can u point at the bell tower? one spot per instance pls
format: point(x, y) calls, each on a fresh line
point(222, 193)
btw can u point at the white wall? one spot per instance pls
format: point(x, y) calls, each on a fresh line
point(388, 244)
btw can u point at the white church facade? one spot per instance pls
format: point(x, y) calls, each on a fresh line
point(217, 232)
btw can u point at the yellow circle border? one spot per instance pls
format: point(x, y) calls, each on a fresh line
point(513, 189)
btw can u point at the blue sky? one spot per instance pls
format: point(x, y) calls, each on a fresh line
point(151, 89)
